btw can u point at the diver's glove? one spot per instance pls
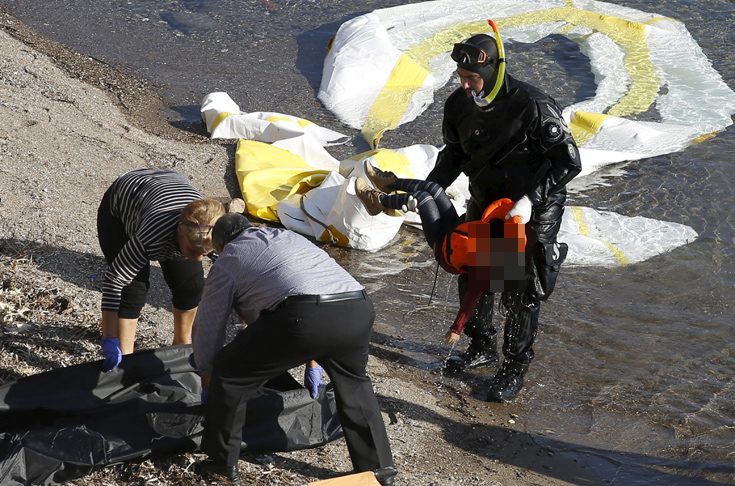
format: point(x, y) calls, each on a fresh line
point(522, 208)
point(312, 380)
point(113, 353)
point(410, 205)
point(205, 395)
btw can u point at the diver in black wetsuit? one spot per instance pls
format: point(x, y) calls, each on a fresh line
point(509, 138)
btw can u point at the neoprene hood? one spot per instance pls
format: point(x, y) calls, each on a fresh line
point(489, 69)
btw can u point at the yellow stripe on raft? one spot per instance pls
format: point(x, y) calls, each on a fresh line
point(219, 118)
point(412, 68)
point(301, 122)
point(407, 78)
point(585, 125)
point(584, 230)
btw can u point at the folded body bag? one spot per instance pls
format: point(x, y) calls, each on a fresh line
point(65, 423)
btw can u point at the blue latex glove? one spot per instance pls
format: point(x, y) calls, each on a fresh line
point(113, 353)
point(312, 380)
point(205, 395)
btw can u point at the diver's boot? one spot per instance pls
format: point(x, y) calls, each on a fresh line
point(508, 382)
point(369, 197)
point(476, 356)
point(383, 180)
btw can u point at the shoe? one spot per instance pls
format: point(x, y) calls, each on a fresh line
point(209, 468)
point(383, 180)
point(386, 475)
point(508, 382)
point(369, 197)
point(474, 357)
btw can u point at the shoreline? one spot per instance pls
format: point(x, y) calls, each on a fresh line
point(73, 124)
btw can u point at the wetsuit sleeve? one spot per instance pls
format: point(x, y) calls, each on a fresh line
point(558, 147)
point(449, 161)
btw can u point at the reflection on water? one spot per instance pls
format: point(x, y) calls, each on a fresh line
point(636, 359)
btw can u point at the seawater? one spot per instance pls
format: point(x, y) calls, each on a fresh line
point(634, 366)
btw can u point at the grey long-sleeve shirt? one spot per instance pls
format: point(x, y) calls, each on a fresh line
point(256, 271)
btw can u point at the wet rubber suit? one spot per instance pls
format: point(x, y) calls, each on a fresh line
point(439, 218)
point(517, 146)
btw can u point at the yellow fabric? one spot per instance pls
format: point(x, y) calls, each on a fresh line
point(413, 66)
point(389, 161)
point(342, 240)
point(269, 174)
point(301, 122)
point(407, 77)
point(219, 119)
point(584, 230)
point(585, 125)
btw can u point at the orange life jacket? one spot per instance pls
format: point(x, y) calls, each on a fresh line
point(460, 248)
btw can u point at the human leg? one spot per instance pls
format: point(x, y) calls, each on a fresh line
point(183, 322)
point(544, 257)
point(185, 278)
point(482, 349)
point(346, 348)
point(436, 210)
point(263, 350)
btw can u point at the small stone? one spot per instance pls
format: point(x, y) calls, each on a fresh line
point(236, 205)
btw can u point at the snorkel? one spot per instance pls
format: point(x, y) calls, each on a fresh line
point(481, 101)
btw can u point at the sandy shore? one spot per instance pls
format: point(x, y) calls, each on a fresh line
point(70, 126)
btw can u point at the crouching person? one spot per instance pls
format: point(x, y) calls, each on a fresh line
point(300, 305)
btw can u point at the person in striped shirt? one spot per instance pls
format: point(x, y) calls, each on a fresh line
point(151, 214)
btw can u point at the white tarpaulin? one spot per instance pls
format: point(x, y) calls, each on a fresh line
point(286, 175)
point(383, 68)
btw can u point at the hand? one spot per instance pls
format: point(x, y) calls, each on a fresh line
point(451, 337)
point(112, 351)
point(522, 209)
point(312, 380)
point(410, 205)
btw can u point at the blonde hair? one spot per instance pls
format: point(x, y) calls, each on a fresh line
point(197, 220)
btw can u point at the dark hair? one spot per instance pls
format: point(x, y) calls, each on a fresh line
point(228, 227)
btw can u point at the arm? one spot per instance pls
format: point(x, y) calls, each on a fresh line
point(470, 300)
point(210, 325)
point(557, 145)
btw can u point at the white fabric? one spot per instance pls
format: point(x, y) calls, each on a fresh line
point(595, 238)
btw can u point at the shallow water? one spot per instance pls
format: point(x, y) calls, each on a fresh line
point(634, 365)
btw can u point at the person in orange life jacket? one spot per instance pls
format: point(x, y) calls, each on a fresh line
point(512, 143)
point(490, 251)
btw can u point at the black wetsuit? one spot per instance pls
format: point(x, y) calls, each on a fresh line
point(518, 145)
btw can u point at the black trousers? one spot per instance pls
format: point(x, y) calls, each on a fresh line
point(337, 335)
point(184, 277)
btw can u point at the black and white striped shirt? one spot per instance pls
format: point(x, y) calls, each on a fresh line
point(149, 204)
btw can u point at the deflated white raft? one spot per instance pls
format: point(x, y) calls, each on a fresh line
point(286, 175)
point(383, 68)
